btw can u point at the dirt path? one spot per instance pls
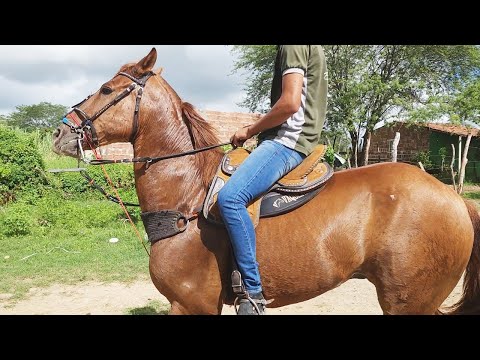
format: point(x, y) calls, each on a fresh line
point(354, 297)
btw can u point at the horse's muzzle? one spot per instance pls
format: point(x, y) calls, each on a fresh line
point(65, 142)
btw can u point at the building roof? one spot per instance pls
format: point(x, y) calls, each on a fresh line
point(453, 129)
point(441, 127)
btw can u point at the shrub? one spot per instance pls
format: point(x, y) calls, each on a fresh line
point(424, 158)
point(330, 155)
point(122, 177)
point(20, 163)
point(16, 221)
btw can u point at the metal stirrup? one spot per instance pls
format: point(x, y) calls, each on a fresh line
point(241, 293)
point(252, 301)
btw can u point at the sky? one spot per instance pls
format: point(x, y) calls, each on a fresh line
point(66, 74)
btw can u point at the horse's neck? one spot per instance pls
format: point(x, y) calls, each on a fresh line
point(173, 184)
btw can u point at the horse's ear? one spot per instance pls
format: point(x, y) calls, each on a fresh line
point(147, 63)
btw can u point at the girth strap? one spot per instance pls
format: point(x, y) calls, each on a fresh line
point(164, 224)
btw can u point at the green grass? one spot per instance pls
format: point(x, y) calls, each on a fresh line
point(67, 241)
point(154, 307)
point(472, 195)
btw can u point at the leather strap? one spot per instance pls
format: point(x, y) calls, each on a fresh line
point(163, 224)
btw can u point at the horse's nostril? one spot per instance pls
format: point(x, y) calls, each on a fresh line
point(56, 132)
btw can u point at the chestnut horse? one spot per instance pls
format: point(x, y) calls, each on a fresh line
point(406, 232)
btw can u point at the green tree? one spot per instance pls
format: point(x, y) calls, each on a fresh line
point(459, 106)
point(39, 116)
point(369, 84)
point(257, 61)
point(465, 105)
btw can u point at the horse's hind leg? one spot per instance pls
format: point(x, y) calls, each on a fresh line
point(398, 296)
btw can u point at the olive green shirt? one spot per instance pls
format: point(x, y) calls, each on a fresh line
point(302, 130)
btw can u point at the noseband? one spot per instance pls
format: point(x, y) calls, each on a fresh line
point(87, 121)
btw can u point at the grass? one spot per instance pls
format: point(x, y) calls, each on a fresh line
point(69, 244)
point(154, 307)
point(472, 195)
point(62, 237)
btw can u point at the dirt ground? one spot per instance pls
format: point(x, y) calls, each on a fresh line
point(354, 297)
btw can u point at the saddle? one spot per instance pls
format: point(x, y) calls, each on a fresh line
point(290, 192)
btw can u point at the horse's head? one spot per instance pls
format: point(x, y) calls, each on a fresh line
point(109, 115)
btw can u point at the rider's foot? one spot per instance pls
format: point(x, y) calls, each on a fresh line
point(251, 304)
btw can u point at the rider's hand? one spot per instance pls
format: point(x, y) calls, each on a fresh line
point(240, 136)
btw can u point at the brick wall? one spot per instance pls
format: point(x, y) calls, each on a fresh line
point(224, 123)
point(412, 140)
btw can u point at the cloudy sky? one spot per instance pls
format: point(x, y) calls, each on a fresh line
point(66, 74)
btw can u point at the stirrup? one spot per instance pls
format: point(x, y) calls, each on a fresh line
point(242, 294)
point(255, 303)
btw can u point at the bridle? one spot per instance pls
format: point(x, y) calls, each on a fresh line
point(86, 124)
point(162, 224)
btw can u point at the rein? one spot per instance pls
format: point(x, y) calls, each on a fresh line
point(147, 160)
point(151, 160)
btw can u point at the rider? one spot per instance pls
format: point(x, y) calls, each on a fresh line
point(287, 134)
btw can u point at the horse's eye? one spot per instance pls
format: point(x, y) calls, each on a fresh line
point(106, 90)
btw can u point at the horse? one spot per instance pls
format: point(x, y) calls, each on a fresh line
point(409, 234)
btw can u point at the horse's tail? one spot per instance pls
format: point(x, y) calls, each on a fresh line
point(469, 304)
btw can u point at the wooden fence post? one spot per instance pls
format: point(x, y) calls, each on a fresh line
point(451, 168)
point(394, 147)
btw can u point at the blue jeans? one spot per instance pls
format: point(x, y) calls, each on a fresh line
point(269, 162)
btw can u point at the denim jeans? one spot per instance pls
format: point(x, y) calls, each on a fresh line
point(269, 162)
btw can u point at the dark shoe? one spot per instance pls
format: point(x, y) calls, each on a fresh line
point(250, 304)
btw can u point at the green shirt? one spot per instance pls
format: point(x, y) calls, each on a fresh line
point(302, 130)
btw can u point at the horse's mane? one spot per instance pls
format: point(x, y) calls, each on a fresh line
point(201, 131)
point(202, 135)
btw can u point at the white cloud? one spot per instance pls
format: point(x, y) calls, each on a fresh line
point(65, 74)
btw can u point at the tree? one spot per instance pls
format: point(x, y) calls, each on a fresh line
point(258, 61)
point(459, 106)
point(465, 105)
point(39, 116)
point(369, 84)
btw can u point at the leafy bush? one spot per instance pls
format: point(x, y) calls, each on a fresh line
point(122, 177)
point(424, 158)
point(16, 221)
point(20, 163)
point(330, 155)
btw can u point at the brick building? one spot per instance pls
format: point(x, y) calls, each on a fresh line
point(431, 139)
point(413, 139)
point(224, 123)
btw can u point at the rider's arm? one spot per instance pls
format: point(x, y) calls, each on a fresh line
point(287, 105)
